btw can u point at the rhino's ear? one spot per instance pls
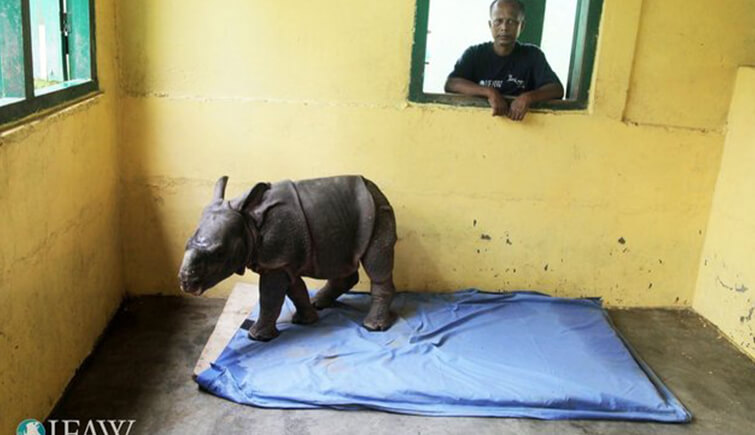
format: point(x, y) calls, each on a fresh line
point(252, 198)
point(219, 193)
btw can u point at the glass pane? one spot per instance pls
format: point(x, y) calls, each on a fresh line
point(558, 34)
point(12, 87)
point(79, 54)
point(47, 45)
point(452, 27)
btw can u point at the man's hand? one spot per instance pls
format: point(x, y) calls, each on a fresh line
point(463, 86)
point(519, 107)
point(499, 104)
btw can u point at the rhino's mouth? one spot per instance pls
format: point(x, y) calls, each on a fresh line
point(192, 287)
point(195, 292)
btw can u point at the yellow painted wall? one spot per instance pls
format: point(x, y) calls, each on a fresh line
point(687, 55)
point(60, 257)
point(726, 285)
point(269, 90)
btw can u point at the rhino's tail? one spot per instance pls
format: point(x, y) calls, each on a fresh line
point(381, 202)
point(378, 259)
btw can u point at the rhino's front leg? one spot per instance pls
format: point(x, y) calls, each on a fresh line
point(305, 311)
point(273, 287)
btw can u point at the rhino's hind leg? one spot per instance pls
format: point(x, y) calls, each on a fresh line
point(332, 289)
point(378, 263)
point(305, 312)
point(380, 317)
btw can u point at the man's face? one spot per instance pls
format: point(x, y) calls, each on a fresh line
point(506, 23)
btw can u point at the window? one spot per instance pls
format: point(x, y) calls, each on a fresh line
point(566, 30)
point(46, 54)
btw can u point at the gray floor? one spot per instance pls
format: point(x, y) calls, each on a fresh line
point(142, 371)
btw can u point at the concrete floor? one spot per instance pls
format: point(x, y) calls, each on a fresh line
point(142, 371)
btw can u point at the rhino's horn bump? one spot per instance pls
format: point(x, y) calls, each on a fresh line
point(219, 193)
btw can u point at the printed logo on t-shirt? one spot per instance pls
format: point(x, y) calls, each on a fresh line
point(516, 81)
point(498, 84)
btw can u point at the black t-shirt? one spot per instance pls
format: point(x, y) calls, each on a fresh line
point(523, 70)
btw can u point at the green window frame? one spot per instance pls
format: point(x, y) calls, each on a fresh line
point(533, 31)
point(577, 92)
point(74, 57)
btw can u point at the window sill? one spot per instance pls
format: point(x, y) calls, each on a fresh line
point(45, 104)
point(72, 104)
point(470, 101)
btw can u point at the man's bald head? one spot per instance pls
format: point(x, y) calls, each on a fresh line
point(516, 3)
point(506, 24)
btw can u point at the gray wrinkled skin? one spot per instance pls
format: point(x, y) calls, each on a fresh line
point(321, 228)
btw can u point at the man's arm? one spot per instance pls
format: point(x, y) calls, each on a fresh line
point(463, 86)
point(546, 83)
point(521, 104)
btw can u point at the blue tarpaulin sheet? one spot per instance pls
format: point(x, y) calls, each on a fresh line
point(468, 353)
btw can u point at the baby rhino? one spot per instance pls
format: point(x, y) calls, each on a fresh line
point(320, 228)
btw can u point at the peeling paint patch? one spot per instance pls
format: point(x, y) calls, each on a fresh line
point(718, 278)
point(622, 241)
point(748, 317)
point(485, 237)
point(474, 223)
point(546, 268)
point(650, 285)
point(508, 241)
point(737, 288)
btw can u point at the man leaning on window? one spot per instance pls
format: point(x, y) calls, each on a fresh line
point(506, 66)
